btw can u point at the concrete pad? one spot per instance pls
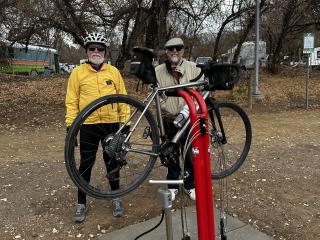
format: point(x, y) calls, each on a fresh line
point(236, 230)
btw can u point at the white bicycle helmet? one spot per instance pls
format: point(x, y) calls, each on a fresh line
point(95, 38)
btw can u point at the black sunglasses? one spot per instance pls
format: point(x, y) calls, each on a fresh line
point(91, 49)
point(178, 48)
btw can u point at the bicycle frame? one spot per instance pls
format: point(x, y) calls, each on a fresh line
point(200, 146)
point(218, 114)
point(154, 96)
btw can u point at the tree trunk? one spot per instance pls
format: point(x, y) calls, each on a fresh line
point(152, 25)
point(123, 50)
point(216, 43)
point(276, 53)
point(156, 34)
point(129, 42)
point(243, 37)
point(163, 13)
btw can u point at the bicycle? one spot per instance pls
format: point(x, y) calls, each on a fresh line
point(136, 150)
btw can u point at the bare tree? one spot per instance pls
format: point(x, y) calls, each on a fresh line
point(157, 24)
point(151, 22)
point(286, 18)
point(4, 58)
point(249, 20)
point(189, 19)
point(232, 12)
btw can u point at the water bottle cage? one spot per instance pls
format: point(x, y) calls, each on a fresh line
point(182, 117)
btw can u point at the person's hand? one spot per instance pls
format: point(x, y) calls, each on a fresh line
point(76, 142)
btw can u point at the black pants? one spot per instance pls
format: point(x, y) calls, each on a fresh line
point(171, 131)
point(90, 137)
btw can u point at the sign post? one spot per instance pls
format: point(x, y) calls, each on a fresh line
point(308, 46)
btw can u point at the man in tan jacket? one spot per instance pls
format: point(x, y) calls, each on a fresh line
point(176, 70)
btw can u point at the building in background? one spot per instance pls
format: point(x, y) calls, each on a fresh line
point(31, 59)
point(247, 54)
point(315, 57)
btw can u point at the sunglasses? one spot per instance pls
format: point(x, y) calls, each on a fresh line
point(92, 49)
point(178, 48)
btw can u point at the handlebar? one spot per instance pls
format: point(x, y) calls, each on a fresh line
point(172, 91)
point(220, 76)
point(197, 77)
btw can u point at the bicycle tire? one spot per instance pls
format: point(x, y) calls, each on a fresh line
point(226, 158)
point(138, 166)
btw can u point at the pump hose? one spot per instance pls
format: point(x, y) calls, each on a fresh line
point(150, 230)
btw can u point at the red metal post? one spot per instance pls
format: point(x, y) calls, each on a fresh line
point(202, 169)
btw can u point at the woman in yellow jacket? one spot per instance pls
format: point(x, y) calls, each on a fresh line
point(86, 83)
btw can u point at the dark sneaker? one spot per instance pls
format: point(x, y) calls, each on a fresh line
point(80, 213)
point(117, 207)
point(191, 193)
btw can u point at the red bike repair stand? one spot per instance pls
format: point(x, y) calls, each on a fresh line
point(202, 171)
point(201, 164)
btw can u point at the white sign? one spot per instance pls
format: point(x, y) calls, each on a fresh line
point(308, 42)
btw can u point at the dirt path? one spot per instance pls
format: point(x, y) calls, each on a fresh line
point(276, 190)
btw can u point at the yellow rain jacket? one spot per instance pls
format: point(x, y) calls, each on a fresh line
point(85, 85)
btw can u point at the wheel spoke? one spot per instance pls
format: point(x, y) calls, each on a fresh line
point(230, 138)
point(117, 159)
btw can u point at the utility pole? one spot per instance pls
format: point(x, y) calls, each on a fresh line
point(256, 91)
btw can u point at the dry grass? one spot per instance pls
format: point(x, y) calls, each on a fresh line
point(280, 92)
point(34, 98)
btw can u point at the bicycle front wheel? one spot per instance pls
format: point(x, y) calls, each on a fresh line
point(114, 162)
point(230, 137)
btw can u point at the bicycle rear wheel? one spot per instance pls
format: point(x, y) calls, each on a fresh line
point(133, 152)
point(229, 137)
